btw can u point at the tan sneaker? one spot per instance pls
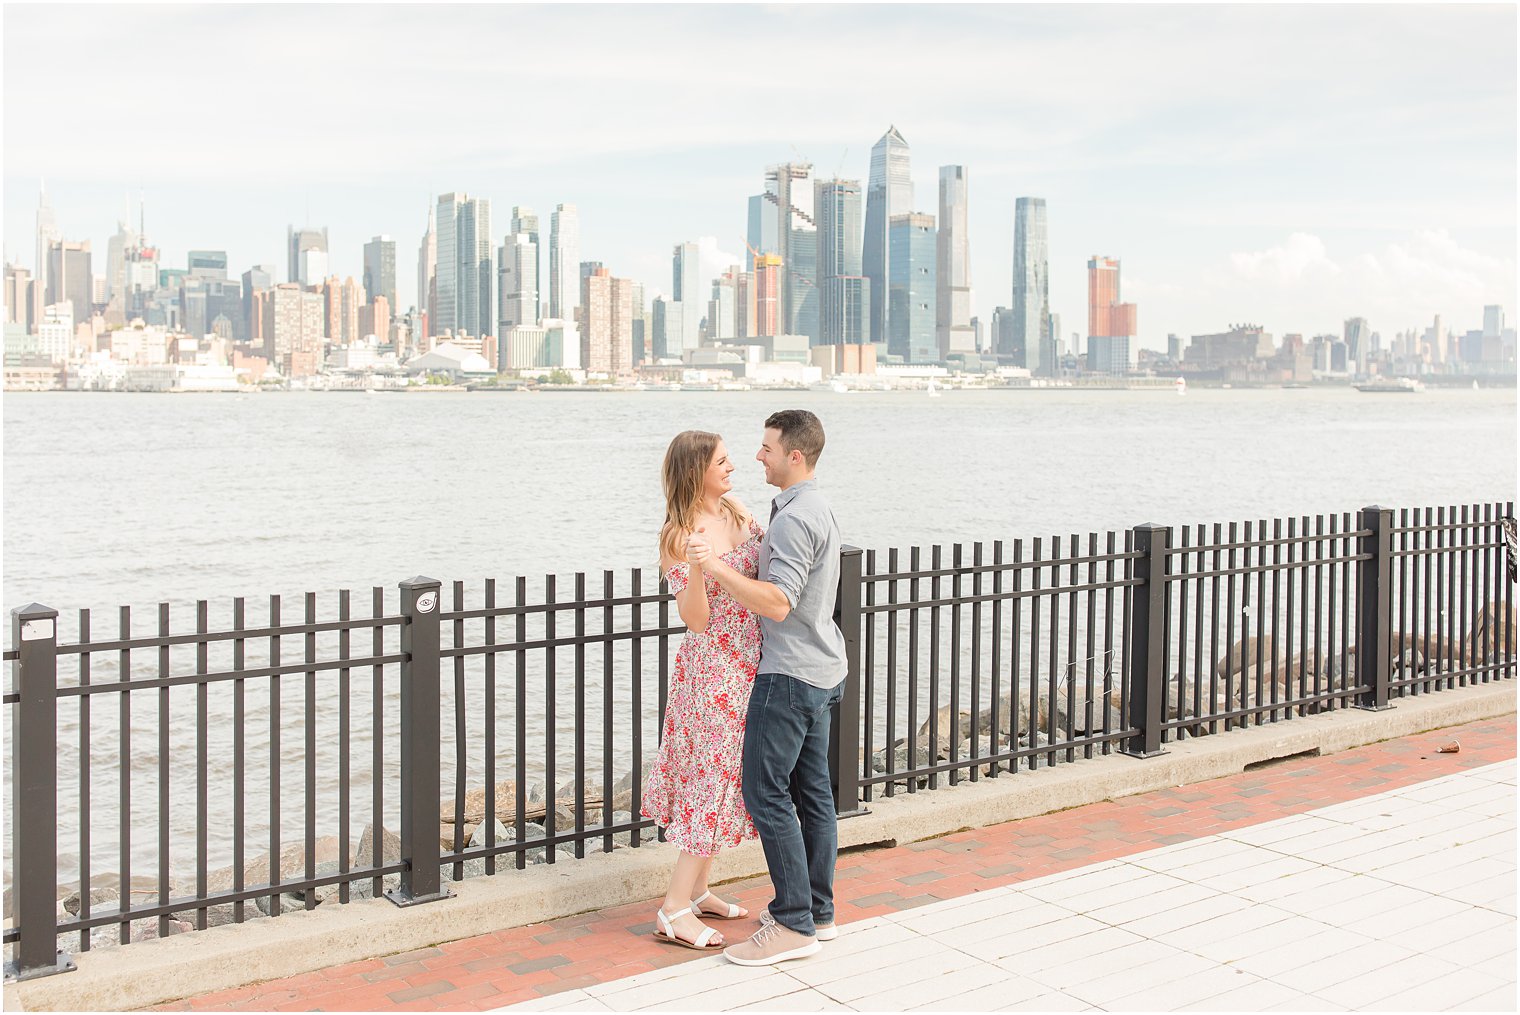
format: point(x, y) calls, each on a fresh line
point(771, 944)
point(826, 931)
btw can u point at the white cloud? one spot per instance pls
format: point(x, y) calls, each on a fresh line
point(1400, 284)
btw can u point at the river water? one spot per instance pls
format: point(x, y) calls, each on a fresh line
point(137, 500)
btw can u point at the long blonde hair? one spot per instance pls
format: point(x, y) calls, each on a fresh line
point(686, 462)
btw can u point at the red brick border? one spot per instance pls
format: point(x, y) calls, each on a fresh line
point(514, 965)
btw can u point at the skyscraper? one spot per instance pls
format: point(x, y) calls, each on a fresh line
point(788, 200)
point(952, 327)
point(116, 260)
point(299, 240)
point(444, 310)
point(1493, 321)
point(380, 269)
point(474, 271)
point(526, 222)
point(519, 282)
point(1110, 323)
point(207, 263)
point(68, 277)
point(1106, 316)
point(47, 234)
point(564, 262)
point(767, 285)
point(911, 308)
point(427, 266)
point(761, 230)
point(843, 292)
point(687, 290)
point(1031, 286)
point(607, 306)
point(889, 193)
point(1358, 338)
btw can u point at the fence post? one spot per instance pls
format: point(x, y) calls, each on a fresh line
point(420, 881)
point(1374, 592)
point(844, 724)
point(1147, 684)
point(34, 794)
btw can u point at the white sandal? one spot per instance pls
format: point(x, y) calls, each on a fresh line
point(670, 936)
point(733, 910)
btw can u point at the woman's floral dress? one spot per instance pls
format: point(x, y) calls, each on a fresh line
point(693, 790)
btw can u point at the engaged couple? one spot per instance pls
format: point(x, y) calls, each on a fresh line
point(745, 745)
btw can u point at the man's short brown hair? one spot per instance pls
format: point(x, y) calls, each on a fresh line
point(800, 431)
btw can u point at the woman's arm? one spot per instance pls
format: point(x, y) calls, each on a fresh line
point(691, 601)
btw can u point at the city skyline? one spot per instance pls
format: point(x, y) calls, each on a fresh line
point(1235, 200)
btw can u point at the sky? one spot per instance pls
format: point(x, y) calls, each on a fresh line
point(1287, 166)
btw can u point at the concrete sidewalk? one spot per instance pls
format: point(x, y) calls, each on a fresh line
point(1400, 901)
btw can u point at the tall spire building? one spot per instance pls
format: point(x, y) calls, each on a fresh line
point(889, 193)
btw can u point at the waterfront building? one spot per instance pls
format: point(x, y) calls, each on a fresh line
point(1243, 344)
point(55, 333)
point(953, 329)
point(69, 277)
point(889, 193)
point(443, 312)
point(911, 310)
point(297, 242)
point(1108, 354)
point(380, 268)
point(564, 262)
point(607, 309)
point(518, 281)
point(294, 328)
point(523, 347)
point(1006, 339)
point(427, 266)
point(562, 344)
point(1031, 287)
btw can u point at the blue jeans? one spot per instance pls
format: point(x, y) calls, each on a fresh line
point(789, 795)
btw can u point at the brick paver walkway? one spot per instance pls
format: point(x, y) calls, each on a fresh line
point(493, 970)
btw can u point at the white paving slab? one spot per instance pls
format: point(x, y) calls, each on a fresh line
point(1403, 901)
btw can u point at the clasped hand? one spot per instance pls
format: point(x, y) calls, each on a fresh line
point(698, 550)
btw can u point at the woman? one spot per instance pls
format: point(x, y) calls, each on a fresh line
point(693, 790)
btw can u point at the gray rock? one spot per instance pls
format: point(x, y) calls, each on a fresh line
point(478, 839)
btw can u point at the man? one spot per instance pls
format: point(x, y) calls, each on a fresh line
point(801, 677)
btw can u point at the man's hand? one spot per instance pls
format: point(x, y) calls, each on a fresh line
point(698, 549)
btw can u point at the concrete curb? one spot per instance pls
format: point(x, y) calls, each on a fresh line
point(221, 957)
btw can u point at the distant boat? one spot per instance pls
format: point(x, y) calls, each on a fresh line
point(1295, 386)
point(933, 389)
point(1391, 386)
point(1475, 385)
point(1181, 385)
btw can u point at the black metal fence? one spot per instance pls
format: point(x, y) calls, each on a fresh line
point(520, 719)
